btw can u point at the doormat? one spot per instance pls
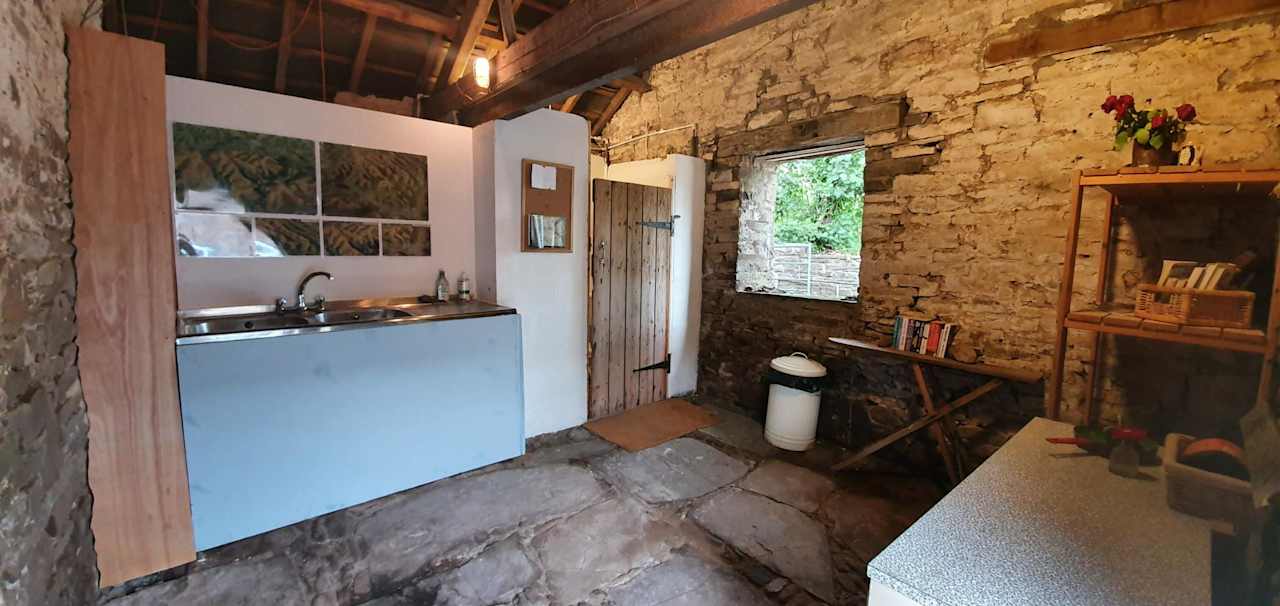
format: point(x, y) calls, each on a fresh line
point(652, 424)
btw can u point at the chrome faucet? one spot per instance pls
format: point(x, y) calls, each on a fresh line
point(282, 304)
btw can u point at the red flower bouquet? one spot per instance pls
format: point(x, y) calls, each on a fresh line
point(1152, 129)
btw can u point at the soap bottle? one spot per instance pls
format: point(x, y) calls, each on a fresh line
point(442, 287)
point(464, 287)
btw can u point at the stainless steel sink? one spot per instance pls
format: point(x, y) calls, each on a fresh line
point(276, 321)
point(219, 326)
point(347, 316)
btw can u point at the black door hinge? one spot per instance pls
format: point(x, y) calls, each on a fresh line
point(663, 365)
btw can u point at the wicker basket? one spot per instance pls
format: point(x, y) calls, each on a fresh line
point(1220, 308)
point(1202, 493)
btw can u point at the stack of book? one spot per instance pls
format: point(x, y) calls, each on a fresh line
point(1197, 276)
point(925, 337)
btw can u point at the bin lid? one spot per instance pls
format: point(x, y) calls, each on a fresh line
point(798, 365)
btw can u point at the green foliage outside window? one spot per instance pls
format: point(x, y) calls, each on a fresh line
point(819, 202)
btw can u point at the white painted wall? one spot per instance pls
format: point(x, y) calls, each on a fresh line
point(206, 282)
point(686, 177)
point(549, 289)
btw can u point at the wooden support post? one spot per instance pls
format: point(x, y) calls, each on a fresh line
point(1054, 403)
point(285, 49)
point(202, 39)
point(1264, 398)
point(464, 41)
point(939, 435)
point(362, 53)
point(1091, 405)
point(919, 424)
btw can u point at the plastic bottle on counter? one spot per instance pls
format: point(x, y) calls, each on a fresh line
point(464, 287)
point(442, 287)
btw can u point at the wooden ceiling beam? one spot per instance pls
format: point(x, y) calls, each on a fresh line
point(474, 14)
point(202, 39)
point(615, 104)
point(286, 44)
point(635, 83)
point(507, 18)
point(362, 53)
point(594, 42)
point(400, 12)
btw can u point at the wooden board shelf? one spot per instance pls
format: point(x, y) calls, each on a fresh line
point(1129, 325)
point(1021, 375)
point(1175, 183)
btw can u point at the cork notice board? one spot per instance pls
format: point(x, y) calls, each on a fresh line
point(552, 205)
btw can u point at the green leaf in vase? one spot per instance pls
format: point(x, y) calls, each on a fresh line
point(1122, 138)
point(1142, 136)
point(1157, 142)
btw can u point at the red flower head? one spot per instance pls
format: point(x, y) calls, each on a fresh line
point(1157, 121)
point(1110, 104)
point(1126, 100)
point(1186, 112)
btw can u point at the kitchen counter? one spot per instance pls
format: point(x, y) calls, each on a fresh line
point(1041, 523)
point(412, 310)
point(279, 430)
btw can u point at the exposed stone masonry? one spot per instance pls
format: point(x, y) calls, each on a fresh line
point(967, 196)
point(46, 550)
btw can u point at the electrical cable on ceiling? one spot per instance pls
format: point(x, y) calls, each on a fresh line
point(124, 18)
point(324, 85)
point(248, 47)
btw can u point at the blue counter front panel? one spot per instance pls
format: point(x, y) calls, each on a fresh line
point(283, 429)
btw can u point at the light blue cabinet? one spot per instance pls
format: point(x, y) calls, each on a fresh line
point(283, 429)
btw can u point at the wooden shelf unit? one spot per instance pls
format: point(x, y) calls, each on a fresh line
point(1143, 185)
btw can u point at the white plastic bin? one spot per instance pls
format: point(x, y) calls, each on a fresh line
point(794, 395)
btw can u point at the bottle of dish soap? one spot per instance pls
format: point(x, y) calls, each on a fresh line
point(442, 287)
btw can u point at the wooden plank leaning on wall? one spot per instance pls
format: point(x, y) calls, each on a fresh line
point(125, 304)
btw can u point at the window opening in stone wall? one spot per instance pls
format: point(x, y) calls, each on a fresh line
point(801, 223)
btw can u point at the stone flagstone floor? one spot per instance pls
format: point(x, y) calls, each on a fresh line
point(719, 517)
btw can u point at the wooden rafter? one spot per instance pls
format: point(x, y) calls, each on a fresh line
point(362, 54)
point(297, 51)
point(464, 41)
point(593, 42)
point(407, 14)
point(570, 103)
point(202, 39)
point(507, 18)
point(615, 104)
point(286, 44)
point(435, 44)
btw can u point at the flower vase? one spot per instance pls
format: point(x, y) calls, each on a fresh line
point(1147, 156)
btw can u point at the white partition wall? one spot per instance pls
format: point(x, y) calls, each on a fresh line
point(549, 289)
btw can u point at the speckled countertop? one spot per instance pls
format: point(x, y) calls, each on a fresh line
point(1041, 523)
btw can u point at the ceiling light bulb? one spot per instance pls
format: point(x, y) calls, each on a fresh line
point(482, 72)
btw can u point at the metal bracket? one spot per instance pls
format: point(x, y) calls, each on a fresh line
point(667, 225)
point(663, 365)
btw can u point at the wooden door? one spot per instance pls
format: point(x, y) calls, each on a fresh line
point(630, 289)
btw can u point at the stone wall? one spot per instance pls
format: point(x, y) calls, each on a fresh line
point(967, 194)
point(46, 550)
point(799, 271)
